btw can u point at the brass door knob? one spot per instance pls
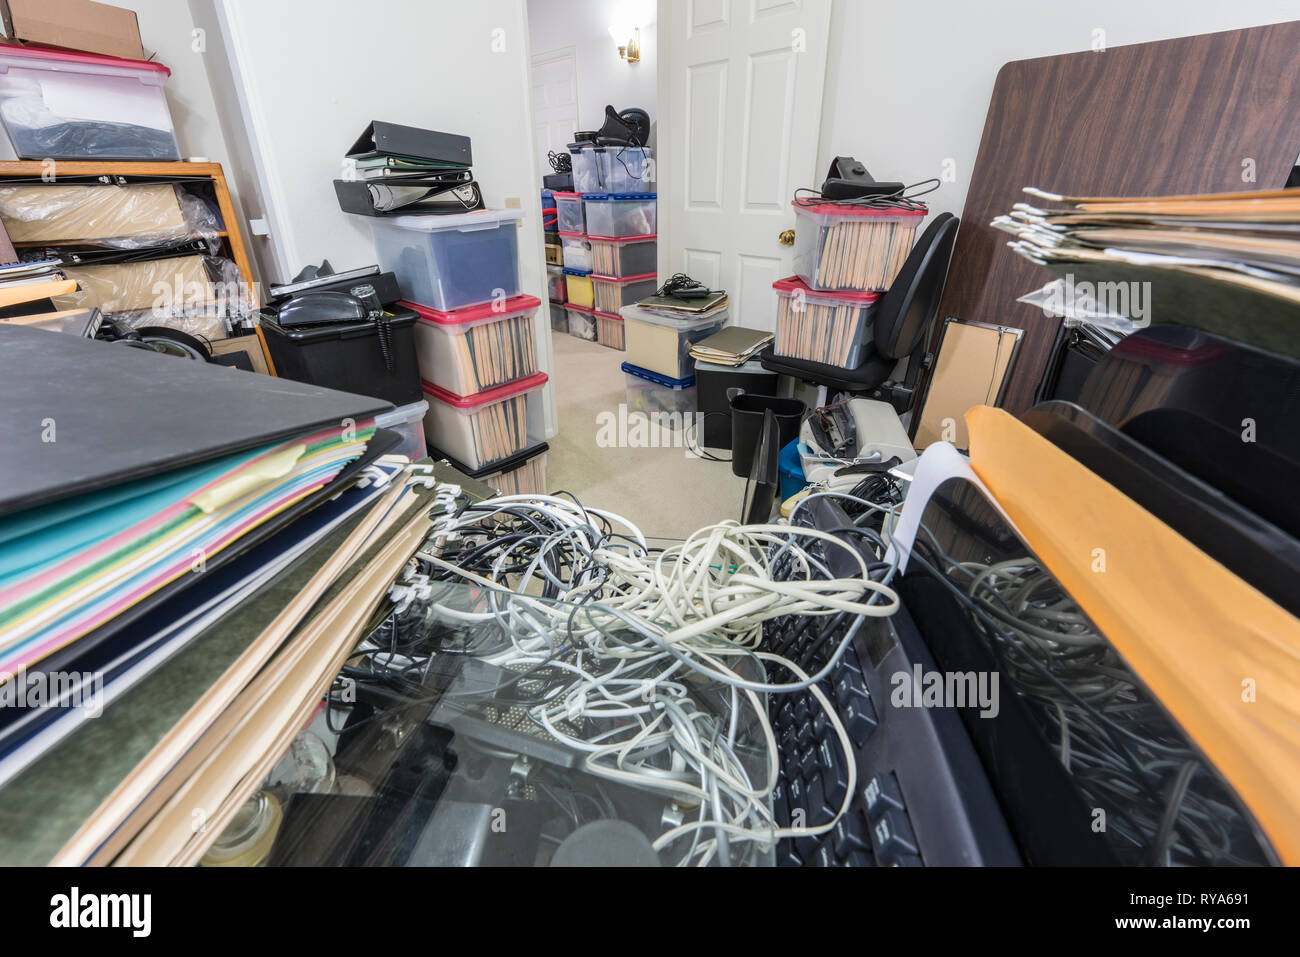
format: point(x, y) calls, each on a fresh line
point(786, 238)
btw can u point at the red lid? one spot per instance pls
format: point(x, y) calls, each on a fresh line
point(573, 235)
point(608, 315)
point(577, 308)
point(487, 310)
point(623, 239)
point(835, 209)
point(795, 284)
point(487, 396)
point(622, 279)
point(556, 195)
point(95, 59)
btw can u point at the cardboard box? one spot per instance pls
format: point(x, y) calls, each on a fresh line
point(80, 25)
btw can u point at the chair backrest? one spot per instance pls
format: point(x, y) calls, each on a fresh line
point(906, 311)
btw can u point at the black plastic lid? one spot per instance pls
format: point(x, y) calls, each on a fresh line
point(501, 465)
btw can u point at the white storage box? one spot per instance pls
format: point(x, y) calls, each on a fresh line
point(661, 344)
point(827, 327)
point(582, 322)
point(480, 347)
point(408, 422)
point(663, 398)
point(615, 215)
point(490, 427)
point(58, 105)
point(851, 248)
point(448, 262)
point(577, 251)
point(570, 218)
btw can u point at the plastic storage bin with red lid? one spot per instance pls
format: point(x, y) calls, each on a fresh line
point(577, 251)
point(488, 427)
point(466, 351)
point(60, 105)
point(611, 293)
point(852, 248)
point(582, 321)
point(609, 330)
point(626, 256)
point(827, 327)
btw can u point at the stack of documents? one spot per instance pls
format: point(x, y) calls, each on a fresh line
point(29, 287)
point(1228, 263)
point(152, 500)
point(733, 346)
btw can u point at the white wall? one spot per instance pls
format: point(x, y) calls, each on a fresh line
point(313, 73)
point(908, 85)
point(603, 78)
point(167, 34)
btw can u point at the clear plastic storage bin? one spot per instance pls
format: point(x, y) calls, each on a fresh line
point(489, 427)
point(582, 322)
point(616, 215)
point(408, 422)
point(827, 327)
point(851, 248)
point(629, 256)
point(60, 105)
point(568, 206)
point(578, 288)
point(587, 160)
point(626, 169)
point(559, 317)
point(556, 291)
point(662, 344)
point(476, 348)
point(448, 262)
point(666, 400)
point(577, 251)
point(609, 330)
point(610, 293)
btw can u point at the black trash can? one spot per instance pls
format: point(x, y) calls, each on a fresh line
point(747, 424)
point(347, 356)
point(713, 410)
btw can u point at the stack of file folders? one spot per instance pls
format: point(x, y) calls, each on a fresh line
point(1226, 263)
point(409, 170)
point(733, 346)
point(186, 553)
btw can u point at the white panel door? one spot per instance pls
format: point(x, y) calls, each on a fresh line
point(737, 135)
point(555, 101)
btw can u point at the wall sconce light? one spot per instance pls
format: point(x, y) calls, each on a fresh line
point(631, 51)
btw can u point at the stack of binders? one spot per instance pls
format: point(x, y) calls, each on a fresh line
point(394, 168)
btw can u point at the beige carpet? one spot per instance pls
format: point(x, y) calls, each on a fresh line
point(664, 491)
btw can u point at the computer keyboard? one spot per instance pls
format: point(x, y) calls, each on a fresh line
point(922, 796)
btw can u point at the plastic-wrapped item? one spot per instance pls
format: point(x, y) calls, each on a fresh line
point(125, 217)
point(201, 295)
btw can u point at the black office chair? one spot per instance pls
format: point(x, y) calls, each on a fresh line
point(903, 318)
